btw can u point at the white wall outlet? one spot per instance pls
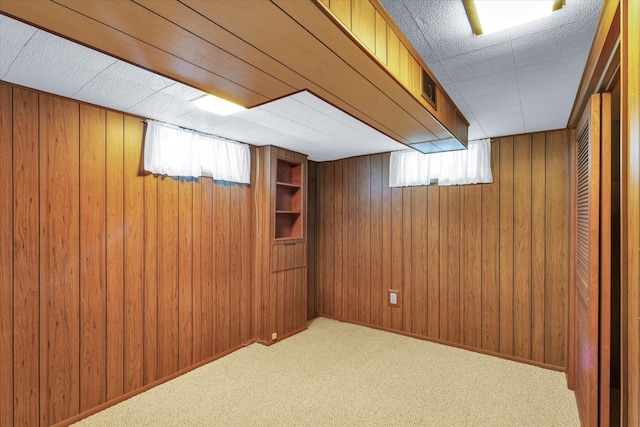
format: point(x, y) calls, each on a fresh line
point(274, 336)
point(394, 297)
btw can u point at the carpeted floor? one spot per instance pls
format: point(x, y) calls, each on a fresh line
point(339, 374)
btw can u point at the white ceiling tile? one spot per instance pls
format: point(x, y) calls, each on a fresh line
point(503, 126)
point(480, 62)
point(198, 119)
point(584, 11)
point(183, 92)
point(476, 132)
point(55, 65)
point(488, 84)
point(14, 35)
point(552, 70)
point(488, 105)
point(121, 86)
point(164, 107)
point(556, 42)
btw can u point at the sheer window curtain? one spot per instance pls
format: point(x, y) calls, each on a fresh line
point(172, 151)
point(470, 166)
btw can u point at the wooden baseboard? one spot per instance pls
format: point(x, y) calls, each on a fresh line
point(452, 344)
point(146, 387)
point(287, 335)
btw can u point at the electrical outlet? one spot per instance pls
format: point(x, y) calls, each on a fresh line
point(394, 298)
point(274, 336)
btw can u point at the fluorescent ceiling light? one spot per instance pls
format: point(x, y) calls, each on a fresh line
point(490, 16)
point(218, 106)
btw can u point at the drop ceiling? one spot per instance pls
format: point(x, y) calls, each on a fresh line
point(518, 80)
point(514, 81)
point(301, 122)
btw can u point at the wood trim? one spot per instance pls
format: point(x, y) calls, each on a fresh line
point(605, 262)
point(140, 390)
point(570, 361)
point(602, 47)
point(449, 343)
point(630, 210)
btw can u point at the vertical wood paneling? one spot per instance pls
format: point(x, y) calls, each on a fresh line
point(59, 262)
point(381, 38)
point(245, 210)
point(377, 286)
point(110, 278)
point(462, 257)
point(432, 262)
point(26, 287)
point(207, 293)
point(418, 277)
point(393, 53)
point(6, 260)
point(168, 322)
point(150, 278)
point(506, 245)
point(342, 10)
point(312, 242)
point(453, 253)
point(490, 257)
point(115, 255)
point(386, 243)
point(407, 261)
point(471, 266)
point(397, 255)
point(538, 239)
point(351, 289)
point(444, 263)
point(134, 255)
point(335, 273)
point(557, 246)
point(235, 268)
point(196, 288)
point(522, 246)
point(185, 273)
point(363, 229)
point(221, 269)
point(93, 329)
point(364, 23)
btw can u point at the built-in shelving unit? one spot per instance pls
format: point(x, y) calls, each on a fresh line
point(288, 200)
point(280, 238)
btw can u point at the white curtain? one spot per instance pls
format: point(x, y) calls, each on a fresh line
point(177, 152)
point(470, 166)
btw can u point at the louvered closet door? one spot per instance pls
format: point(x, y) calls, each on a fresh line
point(591, 295)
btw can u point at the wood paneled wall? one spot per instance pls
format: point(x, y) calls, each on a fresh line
point(109, 279)
point(370, 24)
point(481, 266)
point(312, 241)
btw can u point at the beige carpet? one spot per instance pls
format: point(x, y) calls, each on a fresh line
point(339, 374)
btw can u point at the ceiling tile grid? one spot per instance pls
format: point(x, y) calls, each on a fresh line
point(300, 122)
point(488, 76)
point(518, 80)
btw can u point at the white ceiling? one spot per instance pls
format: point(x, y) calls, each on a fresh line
point(519, 80)
point(514, 81)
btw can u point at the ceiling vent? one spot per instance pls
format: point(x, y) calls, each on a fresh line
point(429, 89)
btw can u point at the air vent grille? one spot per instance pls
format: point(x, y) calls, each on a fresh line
point(429, 89)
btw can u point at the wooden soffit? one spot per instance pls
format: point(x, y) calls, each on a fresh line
point(250, 52)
